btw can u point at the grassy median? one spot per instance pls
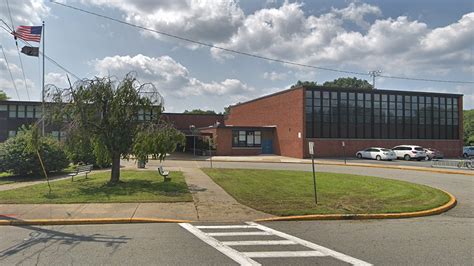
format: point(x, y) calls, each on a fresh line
point(291, 192)
point(136, 186)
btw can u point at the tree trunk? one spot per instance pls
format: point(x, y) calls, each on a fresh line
point(115, 175)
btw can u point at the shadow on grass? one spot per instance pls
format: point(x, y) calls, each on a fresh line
point(131, 187)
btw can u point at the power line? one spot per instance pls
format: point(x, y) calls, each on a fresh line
point(9, 70)
point(250, 54)
point(50, 59)
point(19, 55)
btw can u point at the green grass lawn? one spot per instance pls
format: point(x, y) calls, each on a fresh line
point(8, 178)
point(136, 186)
point(292, 193)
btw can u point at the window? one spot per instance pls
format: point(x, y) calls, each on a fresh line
point(3, 108)
point(21, 111)
point(30, 110)
point(11, 133)
point(38, 112)
point(12, 111)
point(380, 115)
point(246, 138)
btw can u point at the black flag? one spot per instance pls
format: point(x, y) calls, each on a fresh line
point(31, 51)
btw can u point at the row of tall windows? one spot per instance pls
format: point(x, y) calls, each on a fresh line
point(21, 111)
point(380, 115)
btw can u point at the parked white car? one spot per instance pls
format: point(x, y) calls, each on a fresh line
point(377, 153)
point(433, 154)
point(409, 152)
point(468, 151)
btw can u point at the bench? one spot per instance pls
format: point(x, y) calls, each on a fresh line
point(164, 173)
point(80, 170)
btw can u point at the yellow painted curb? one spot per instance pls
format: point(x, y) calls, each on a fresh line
point(397, 167)
point(90, 221)
point(447, 206)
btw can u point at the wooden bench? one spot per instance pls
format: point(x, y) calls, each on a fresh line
point(80, 170)
point(164, 174)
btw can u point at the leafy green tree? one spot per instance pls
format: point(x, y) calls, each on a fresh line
point(307, 84)
point(157, 140)
point(349, 83)
point(113, 113)
point(83, 149)
point(20, 154)
point(200, 112)
point(3, 96)
point(469, 127)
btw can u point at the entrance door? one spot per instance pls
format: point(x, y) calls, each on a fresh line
point(267, 146)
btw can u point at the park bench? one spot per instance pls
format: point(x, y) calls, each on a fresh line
point(164, 174)
point(81, 169)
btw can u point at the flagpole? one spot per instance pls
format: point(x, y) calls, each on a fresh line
point(42, 91)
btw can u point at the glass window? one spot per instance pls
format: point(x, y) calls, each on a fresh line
point(258, 137)
point(11, 133)
point(250, 139)
point(38, 112)
point(30, 111)
point(21, 111)
point(12, 111)
point(242, 135)
point(3, 108)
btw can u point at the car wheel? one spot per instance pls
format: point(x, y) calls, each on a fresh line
point(465, 155)
point(378, 158)
point(359, 156)
point(407, 157)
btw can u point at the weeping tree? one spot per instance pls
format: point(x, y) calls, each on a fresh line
point(113, 113)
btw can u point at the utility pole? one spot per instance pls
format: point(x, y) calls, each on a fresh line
point(373, 74)
point(42, 89)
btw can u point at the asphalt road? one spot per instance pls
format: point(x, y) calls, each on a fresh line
point(445, 239)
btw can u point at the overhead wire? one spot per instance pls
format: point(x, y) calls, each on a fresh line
point(251, 54)
point(11, 75)
point(19, 55)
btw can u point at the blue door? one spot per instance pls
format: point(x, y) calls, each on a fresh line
point(267, 146)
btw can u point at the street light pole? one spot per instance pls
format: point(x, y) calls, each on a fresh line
point(192, 128)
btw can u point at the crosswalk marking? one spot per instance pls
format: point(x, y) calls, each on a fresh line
point(258, 242)
point(283, 254)
point(246, 258)
point(225, 226)
point(240, 234)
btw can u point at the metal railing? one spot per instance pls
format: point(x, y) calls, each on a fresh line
point(459, 164)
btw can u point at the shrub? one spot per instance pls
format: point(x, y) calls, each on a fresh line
point(18, 159)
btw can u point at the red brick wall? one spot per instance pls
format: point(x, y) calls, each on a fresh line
point(333, 147)
point(284, 110)
point(223, 138)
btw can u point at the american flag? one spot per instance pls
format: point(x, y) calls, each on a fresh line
point(28, 33)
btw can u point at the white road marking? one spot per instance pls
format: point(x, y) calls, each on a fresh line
point(260, 233)
point(229, 252)
point(313, 246)
point(283, 254)
point(245, 258)
point(224, 226)
point(259, 242)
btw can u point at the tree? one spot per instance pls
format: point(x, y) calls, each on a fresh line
point(113, 113)
point(3, 96)
point(200, 112)
point(468, 127)
point(349, 83)
point(307, 84)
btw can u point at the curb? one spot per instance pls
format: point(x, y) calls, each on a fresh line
point(447, 206)
point(396, 167)
point(90, 221)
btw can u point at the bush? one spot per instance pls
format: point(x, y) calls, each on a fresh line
point(18, 159)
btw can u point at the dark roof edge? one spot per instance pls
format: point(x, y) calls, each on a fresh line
point(166, 113)
point(267, 96)
point(381, 90)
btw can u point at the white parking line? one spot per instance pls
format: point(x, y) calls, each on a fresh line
point(283, 254)
point(259, 242)
point(240, 234)
point(245, 258)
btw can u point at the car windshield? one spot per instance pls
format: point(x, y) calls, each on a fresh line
point(385, 149)
point(418, 149)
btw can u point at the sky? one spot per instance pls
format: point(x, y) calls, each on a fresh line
point(429, 39)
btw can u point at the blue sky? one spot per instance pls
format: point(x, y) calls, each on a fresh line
point(423, 39)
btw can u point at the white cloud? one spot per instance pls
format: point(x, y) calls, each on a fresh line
point(24, 12)
point(205, 20)
point(170, 77)
point(399, 46)
point(274, 76)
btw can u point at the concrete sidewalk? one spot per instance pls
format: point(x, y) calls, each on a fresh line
point(213, 203)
